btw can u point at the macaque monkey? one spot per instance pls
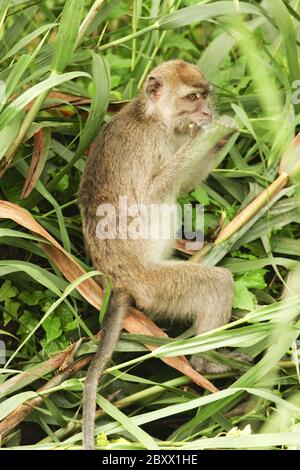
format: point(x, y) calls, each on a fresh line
point(143, 154)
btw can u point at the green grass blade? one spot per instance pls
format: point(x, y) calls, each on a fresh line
point(19, 103)
point(128, 423)
point(200, 12)
point(26, 40)
point(67, 34)
point(286, 27)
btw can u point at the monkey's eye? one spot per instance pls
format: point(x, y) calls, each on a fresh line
point(193, 96)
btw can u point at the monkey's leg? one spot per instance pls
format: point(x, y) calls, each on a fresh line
point(187, 291)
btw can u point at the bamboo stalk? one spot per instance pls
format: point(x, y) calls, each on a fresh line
point(258, 203)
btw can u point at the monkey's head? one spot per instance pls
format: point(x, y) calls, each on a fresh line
point(180, 94)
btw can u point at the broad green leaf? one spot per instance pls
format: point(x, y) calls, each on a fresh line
point(52, 327)
point(101, 15)
point(7, 291)
point(13, 78)
point(3, 11)
point(31, 298)
point(55, 304)
point(255, 279)
point(201, 195)
point(243, 298)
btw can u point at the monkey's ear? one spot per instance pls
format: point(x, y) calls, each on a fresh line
point(154, 87)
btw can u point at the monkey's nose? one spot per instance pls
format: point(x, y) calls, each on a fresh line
point(207, 113)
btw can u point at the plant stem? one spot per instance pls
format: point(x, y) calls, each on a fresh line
point(88, 21)
point(150, 61)
point(129, 37)
point(252, 209)
point(27, 122)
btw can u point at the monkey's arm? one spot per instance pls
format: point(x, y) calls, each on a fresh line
point(167, 175)
point(203, 150)
point(193, 162)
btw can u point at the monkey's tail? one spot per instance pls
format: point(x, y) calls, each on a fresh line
point(118, 304)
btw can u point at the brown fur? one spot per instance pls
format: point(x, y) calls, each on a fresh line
point(140, 154)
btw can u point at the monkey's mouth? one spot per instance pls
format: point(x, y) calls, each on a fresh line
point(201, 123)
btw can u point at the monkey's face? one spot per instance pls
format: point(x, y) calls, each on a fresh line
point(192, 108)
point(180, 93)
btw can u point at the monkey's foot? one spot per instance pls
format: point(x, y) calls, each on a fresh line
point(210, 367)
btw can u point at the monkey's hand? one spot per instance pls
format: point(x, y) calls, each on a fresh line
point(225, 126)
point(200, 152)
point(227, 123)
point(224, 122)
point(212, 137)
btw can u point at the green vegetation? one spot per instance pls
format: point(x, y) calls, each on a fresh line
point(64, 70)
